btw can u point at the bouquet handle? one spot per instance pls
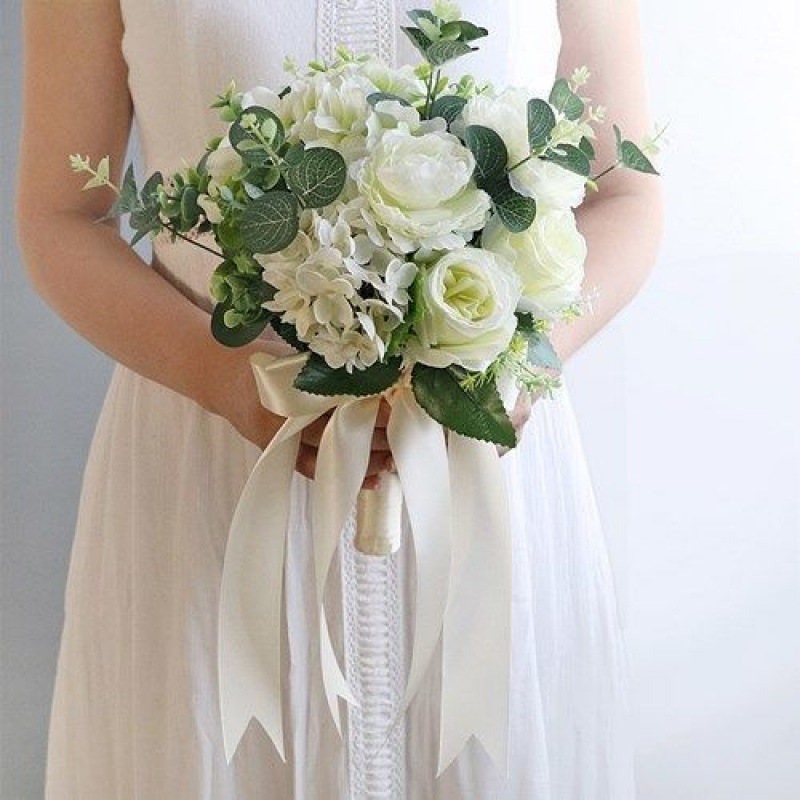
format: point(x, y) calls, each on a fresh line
point(379, 516)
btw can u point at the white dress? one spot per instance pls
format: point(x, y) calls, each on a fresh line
point(135, 713)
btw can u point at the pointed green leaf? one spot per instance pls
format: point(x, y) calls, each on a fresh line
point(565, 100)
point(270, 223)
point(418, 39)
point(541, 121)
point(469, 31)
point(491, 155)
point(634, 158)
point(441, 52)
point(128, 195)
point(478, 412)
point(587, 148)
point(318, 178)
point(317, 377)
point(570, 157)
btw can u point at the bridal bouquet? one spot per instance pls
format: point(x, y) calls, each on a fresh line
point(413, 237)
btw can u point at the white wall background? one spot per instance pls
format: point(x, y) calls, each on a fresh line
point(688, 405)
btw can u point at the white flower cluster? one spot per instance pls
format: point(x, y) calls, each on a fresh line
point(407, 222)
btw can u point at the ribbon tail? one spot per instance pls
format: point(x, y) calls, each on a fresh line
point(420, 454)
point(476, 641)
point(342, 460)
point(250, 606)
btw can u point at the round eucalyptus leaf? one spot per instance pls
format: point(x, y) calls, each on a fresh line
point(270, 222)
point(491, 155)
point(448, 107)
point(570, 157)
point(318, 178)
point(247, 144)
point(516, 211)
point(541, 121)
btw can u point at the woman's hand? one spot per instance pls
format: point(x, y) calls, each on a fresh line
point(233, 395)
point(519, 415)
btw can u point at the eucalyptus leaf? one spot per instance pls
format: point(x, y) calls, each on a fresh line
point(441, 52)
point(565, 100)
point(476, 412)
point(270, 223)
point(570, 157)
point(633, 158)
point(318, 178)
point(241, 334)
point(448, 107)
point(491, 155)
point(247, 144)
point(190, 210)
point(587, 148)
point(541, 121)
point(317, 377)
point(516, 211)
point(128, 197)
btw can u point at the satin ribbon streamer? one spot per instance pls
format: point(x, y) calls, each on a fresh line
point(462, 550)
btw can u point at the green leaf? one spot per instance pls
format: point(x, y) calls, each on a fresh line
point(448, 107)
point(241, 334)
point(565, 100)
point(516, 211)
point(527, 323)
point(541, 352)
point(294, 153)
point(128, 195)
point(633, 158)
point(288, 333)
point(469, 31)
point(317, 377)
point(476, 412)
point(240, 137)
point(270, 223)
point(541, 121)
point(570, 157)
point(418, 39)
point(416, 14)
point(441, 52)
point(587, 148)
point(190, 211)
point(491, 155)
point(376, 97)
point(318, 179)
point(618, 140)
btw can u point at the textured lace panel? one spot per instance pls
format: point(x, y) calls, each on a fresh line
point(364, 26)
point(374, 660)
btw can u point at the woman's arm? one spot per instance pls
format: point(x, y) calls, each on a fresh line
point(77, 100)
point(621, 223)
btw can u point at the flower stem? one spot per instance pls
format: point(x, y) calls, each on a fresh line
point(606, 171)
point(177, 233)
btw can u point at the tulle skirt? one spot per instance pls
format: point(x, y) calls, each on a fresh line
point(135, 713)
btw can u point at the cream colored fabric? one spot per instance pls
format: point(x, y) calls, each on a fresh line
point(135, 713)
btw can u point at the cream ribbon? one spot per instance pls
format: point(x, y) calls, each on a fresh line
point(462, 555)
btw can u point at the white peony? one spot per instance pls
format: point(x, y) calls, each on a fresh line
point(418, 192)
point(549, 258)
point(553, 187)
point(469, 297)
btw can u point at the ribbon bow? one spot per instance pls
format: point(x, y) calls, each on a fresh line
point(462, 550)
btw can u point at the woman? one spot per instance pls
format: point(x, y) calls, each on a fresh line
point(135, 711)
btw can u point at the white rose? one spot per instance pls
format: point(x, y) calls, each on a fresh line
point(469, 297)
point(419, 192)
point(549, 258)
point(506, 115)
